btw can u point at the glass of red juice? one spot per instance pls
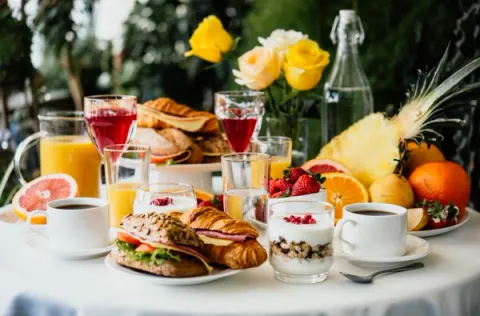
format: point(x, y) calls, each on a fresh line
point(110, 119)
point(240, 113)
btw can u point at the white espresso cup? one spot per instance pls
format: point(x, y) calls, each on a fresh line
point(371, 234)
point(71, 228)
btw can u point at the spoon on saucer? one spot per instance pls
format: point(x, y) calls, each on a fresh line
point(369, 278)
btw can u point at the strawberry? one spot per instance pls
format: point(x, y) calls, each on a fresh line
point(306, 184)
point(272, 187)
point(199, 201)
point(293, 174)
point(283, 185)
point(260, 206)
point(206, 203)
point(281, 194)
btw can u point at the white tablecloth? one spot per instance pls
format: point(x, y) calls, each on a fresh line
point(449, 285)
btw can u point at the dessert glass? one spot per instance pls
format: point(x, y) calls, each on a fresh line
point(300, 234)
point(164, 197)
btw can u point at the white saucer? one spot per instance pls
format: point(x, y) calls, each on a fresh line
point(160, 280)
point(434, 232)
point(417, 248)
point(251, 218)
point(40, 243)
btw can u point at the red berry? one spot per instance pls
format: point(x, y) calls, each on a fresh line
point(272, 187)
point(199, 201)
point(295, 173)
point(207, 204)
point(305, 185)
point(312, 221)
point(161, 201)
point(308, 216)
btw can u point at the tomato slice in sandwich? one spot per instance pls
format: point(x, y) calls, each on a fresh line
point(128, 238)
point(145, 248)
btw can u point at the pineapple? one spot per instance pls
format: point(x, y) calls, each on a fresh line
point(375, 146)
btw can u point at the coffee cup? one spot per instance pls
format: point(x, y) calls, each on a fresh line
point(373, 230)
point(74, 224)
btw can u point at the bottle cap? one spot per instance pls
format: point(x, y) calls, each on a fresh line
point(348, 16)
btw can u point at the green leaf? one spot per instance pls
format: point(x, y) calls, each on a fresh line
point(156, 257)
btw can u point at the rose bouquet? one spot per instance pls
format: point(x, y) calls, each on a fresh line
point(287, 66)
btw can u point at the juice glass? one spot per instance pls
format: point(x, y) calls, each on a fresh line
point(126, 168)
point(111, 119)
point(280, 150)
point(64, 148)
point(245, 185)
point(240, 113)
point(165, 197)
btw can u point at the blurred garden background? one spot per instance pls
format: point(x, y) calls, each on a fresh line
point(54, 52)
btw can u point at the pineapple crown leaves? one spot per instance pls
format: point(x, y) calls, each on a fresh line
point(428, 99)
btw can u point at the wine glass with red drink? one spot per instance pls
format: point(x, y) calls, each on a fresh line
point(240, 113)
point(110, 119)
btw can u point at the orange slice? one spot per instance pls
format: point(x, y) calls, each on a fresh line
point(343, 189)
point(36, 194)
point(203, 195)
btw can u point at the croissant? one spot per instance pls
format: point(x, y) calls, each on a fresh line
point(249, 254)
point(164, 113)
point(209, 218)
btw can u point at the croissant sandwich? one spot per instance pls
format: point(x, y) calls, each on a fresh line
point(159, 244)
point(166, 113)
point(228, 241)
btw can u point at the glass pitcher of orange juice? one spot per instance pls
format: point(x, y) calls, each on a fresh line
point(65, 148)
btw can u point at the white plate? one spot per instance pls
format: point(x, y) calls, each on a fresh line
point(251, 218)
point(417, 248)
point(440, 231)
point(160, 280)
point(40, 243)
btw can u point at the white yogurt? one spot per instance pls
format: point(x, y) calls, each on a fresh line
point(180, 204)
point(320, 233)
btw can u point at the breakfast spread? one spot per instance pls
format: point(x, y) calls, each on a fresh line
point(178, 134)
point(300, 245)
point(228, 242)
point(160, 244)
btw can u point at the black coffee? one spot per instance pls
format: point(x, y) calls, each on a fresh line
point(374, 213)
point(76, 207)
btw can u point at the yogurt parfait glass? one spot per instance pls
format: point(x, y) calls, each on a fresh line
point(300, 235)
point(164, 197)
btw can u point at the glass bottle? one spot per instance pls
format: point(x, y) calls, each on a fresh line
point(347, 93)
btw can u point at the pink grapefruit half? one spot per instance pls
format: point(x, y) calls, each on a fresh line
point(325, 165)
point(36, 194)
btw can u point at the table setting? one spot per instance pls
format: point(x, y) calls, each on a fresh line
point(377, 223)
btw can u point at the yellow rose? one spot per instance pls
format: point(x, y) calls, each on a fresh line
point(304, 64)
point(210, 40)
point(259, 67)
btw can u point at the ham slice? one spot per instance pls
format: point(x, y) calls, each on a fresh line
point(220, 235)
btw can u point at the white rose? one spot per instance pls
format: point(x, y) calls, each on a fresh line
point(280, 40)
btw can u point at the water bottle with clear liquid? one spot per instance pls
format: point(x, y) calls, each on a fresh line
point(347, 93)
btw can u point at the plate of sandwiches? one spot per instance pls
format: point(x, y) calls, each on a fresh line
point(189, 248)
point(179, 135)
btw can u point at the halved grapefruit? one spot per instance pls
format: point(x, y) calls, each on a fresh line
point(325, 165)
point(36, 194)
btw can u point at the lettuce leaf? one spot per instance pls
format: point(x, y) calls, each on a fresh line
point(157, 257)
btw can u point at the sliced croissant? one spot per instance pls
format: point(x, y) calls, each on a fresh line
point(249, 254)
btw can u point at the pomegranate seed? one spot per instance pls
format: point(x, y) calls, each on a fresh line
point(308, 216)
point(161, 201)
point(312, 221)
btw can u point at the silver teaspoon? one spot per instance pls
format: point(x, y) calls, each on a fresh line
point(369, 278)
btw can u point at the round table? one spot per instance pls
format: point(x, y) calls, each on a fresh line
point(448, 285)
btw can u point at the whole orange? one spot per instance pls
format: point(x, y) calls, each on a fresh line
point(421, 154)
point(444, 181)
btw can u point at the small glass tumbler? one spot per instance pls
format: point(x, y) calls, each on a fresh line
point(280, 150)
point(300, 235)
point(126, 168)
point(245, 185)
point(165, 197)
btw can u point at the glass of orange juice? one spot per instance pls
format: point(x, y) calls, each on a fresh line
point(245, 185)
point(64, 148)
point(126, 169)
point(280, 150)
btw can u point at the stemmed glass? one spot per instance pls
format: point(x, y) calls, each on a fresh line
point(111, 119)
point(240, 113)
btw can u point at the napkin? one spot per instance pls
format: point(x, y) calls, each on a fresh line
point(28, 305)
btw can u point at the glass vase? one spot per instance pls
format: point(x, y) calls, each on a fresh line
point(294, 127)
